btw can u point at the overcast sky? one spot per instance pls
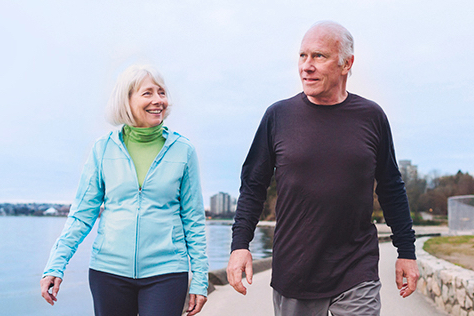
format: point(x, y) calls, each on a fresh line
point(224, 63)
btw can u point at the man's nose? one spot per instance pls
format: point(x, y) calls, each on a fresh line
point(308, 66)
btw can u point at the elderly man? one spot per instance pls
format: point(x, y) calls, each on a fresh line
point(325, 146)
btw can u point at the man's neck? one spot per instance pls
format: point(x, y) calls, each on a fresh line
point(329, 101)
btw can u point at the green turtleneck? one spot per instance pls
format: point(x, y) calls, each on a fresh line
point(143, 145)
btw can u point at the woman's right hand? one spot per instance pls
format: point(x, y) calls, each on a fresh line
point(48, 282)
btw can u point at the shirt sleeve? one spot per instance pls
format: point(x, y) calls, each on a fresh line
point(392, 195)
point(83, 213)
point(193, 219)
point(257, 172)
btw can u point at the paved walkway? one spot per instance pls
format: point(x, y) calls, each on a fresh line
point(258, 301)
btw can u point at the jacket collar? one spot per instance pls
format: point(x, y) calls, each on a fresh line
point(170, 136)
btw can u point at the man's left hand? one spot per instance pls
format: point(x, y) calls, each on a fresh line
point(406, 268)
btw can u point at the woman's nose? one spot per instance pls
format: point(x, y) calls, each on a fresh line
point(157, 99)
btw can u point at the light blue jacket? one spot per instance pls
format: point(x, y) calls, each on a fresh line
point(145, 232)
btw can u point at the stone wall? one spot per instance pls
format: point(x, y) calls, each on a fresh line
point(449, 286)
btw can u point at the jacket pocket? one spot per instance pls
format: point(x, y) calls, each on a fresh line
point(156, 244)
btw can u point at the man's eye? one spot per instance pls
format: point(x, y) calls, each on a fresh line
point(162, 92)
point(146, 93)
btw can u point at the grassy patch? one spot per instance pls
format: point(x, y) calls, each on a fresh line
point(456, 249)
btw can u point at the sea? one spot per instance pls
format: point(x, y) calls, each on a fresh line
point(25, 243)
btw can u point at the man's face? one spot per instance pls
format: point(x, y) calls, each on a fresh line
point(322, 77)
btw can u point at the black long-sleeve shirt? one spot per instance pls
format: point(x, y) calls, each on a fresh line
point(325, 160)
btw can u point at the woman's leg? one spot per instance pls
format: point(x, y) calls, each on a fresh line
point(162, 294)
point(113, 295)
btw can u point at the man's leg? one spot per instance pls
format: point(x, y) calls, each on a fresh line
point(361, 300)
point(284, 306)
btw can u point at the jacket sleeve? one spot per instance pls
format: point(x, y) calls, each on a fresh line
point(82, 216)
point(193, 219)
point(257, 172)
point(392, 196)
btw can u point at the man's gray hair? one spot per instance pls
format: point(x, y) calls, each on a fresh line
point(346, 41)
point(118, 108)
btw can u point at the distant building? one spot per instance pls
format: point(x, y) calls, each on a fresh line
point(408, 171)
point(221, 203)
point(51, 212)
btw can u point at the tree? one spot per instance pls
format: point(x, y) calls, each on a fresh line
point(436, 198)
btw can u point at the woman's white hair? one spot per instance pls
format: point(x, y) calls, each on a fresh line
point(346, 41)
point(118, 107)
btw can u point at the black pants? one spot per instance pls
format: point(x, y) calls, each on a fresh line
point(155, 296)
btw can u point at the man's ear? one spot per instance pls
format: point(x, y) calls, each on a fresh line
point(347, 65)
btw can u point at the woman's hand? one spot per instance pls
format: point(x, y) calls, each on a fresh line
point(196, 302)
point(48, 282)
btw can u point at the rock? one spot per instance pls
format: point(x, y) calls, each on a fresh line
point(456, 310)
point(435, 288)
point(445, 293)
point(468, 303)
point(439, 302)
point(461, 296)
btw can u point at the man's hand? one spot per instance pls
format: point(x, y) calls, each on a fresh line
point(406, 268)
point(196, 302)
point(240, 261)
point(50, 282)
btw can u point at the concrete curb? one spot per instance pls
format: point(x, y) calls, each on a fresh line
point(451, 287)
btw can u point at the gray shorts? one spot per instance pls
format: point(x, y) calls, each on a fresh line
point(360, 300)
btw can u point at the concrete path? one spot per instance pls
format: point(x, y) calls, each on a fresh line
point(226, 301)
point(392, 304)
point(258, 301)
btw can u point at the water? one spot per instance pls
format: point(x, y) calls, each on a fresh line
point(25, 243)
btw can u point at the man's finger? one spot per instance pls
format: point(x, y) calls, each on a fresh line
point(237, 284)
point(232, 277)
point(410, 286)
point(249, 272)
point(406, 268)
point(399, 278)
point(240, 261)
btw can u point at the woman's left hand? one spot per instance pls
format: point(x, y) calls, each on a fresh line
point(196, 302)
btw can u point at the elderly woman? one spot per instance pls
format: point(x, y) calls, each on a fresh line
point(152, 223)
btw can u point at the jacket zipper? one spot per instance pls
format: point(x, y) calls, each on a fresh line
point(157, 159)
point(136, 232)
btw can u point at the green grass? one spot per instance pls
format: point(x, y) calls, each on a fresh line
point(456, 249)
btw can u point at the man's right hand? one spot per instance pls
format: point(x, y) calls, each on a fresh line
point(240, 261)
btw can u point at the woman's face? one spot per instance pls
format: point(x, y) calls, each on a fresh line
point(148, 104)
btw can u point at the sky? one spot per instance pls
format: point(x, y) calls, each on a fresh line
point(224, 63)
